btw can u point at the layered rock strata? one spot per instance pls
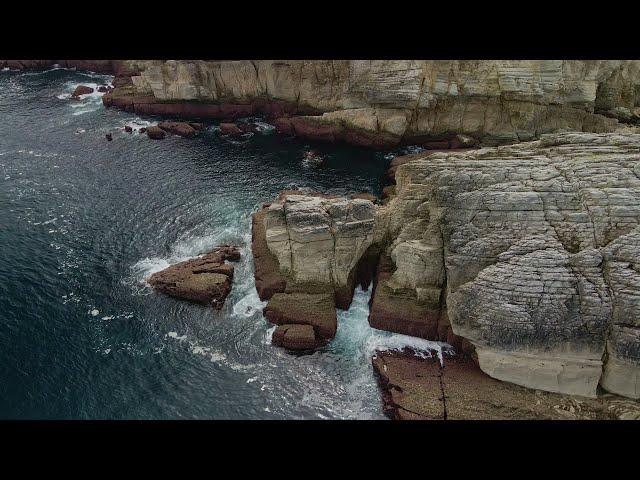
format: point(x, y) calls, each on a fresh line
point(530, 252)
point(417, 388)
point(309, 252)
point(206, 279)
point(384, 103)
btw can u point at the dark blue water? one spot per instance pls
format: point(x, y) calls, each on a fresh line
point(84, 221)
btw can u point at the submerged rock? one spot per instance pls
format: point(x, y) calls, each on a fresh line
point(81, 90)
point(230, 129)
point(155, 133)
point(205, 280)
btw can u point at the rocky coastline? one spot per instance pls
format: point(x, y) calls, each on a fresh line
point(514, 238)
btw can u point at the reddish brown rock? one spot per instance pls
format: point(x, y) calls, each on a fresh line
point(196, 125)
point(142, 130)
point(81, 90)
point(295, 337)
point(415, 388)
point(205, 280)
point(283, 125)
point(315, 309)
point(230, 129)
point(103, 89)
point(181, 129)
point(128, 129)
point(156, 133)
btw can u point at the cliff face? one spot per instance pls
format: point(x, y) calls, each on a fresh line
point(382, 103)
point(530, 252)
point(525, 256)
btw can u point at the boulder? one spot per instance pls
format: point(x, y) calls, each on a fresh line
point(128, 129)
point(295, 337)
point(182, 129)
point(206, 279)
point(316, 310)
point(81, 90)
point(230, 129)
point(155, 133)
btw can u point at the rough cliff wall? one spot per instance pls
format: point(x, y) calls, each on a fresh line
point(382, 103)
point(531, 252)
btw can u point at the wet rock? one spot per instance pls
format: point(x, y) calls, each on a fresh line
point(109, 137)
point(315, 310)
point(81, 90)
point(196, 125)
point(295, 337)
point(142, 130)
point(181, 129)
point(128, 129)
point(155, 133)
point(415, 388)
point(103, 88)
point(230, 129)
point(364, 196)
point(205, 280)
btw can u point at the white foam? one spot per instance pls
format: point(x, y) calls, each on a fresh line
point(249, 305)
point(94, 312)
point(354, 332)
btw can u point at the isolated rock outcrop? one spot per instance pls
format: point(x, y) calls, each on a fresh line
point(379, 103)
point(81, 90)
point(531, 251)
point(309, 253)
point(318, 241)
point(206, 279)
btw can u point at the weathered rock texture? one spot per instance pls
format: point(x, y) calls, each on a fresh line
point(309, 252)
point(318, 241)
point(206, 279)
point(416, 388)
point(378, 103)
point(530, 252)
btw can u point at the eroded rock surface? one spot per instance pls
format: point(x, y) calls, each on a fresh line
point(206, 279)
point(318, 241)
point(532, 251)
point(418, 388)
point(316, 310)
point(379, 103)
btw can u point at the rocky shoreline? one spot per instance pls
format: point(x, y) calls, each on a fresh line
point(380, 104)
point(522, 255)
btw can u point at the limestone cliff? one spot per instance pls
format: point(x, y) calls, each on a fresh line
point(383, 102)
point(531, 252)
point(525, 256)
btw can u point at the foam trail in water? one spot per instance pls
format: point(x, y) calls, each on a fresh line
point(354, 332)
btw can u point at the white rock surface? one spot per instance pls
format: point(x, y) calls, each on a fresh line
point(537, 245)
